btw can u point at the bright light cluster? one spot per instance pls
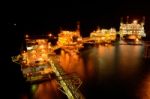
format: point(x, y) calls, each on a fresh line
point(133, 28)
point(67, 37)
point(37, 52)
point(104, 35)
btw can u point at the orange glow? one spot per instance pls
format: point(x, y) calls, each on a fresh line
point(27, 36)
point(49, 34)
point(34, 56)
point(40, 59)
point(47, 90)
point(132, 37)
point(73, 63)
point(66, 37)
point(41, 46)
point(137, 40)
point(103, 38)
point(43, 51)
point(33, 52)
point(44, 55)
point(144, 89)
point(38, 53)
point(103, 35)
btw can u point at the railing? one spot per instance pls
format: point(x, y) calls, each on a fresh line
point(68, 83)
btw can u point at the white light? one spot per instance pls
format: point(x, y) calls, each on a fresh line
point(136, 39)
point(135, 21)
point(50, 35)
point(26, 35)
point(30, 48)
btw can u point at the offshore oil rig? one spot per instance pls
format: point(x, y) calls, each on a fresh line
point(39, 62)
point(132, 30)
point(103, 35)
point(66, 37)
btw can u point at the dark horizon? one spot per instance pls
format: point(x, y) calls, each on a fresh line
point(39, 19)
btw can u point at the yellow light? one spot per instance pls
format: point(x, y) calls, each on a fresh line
point(103, 38)
point(33, 52)
point(43, 51)
point(137, 40)
point(44, 56)
point(41, 46)
point(40, 59)
point(34, 56)
point(135, 21)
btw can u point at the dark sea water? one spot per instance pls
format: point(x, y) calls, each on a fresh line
point(107, 72)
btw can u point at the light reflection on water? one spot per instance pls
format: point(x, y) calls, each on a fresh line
point(45, 90)
point(112, 71)
point(144, 89)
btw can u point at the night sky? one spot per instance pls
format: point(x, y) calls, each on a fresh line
point(36, 19)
